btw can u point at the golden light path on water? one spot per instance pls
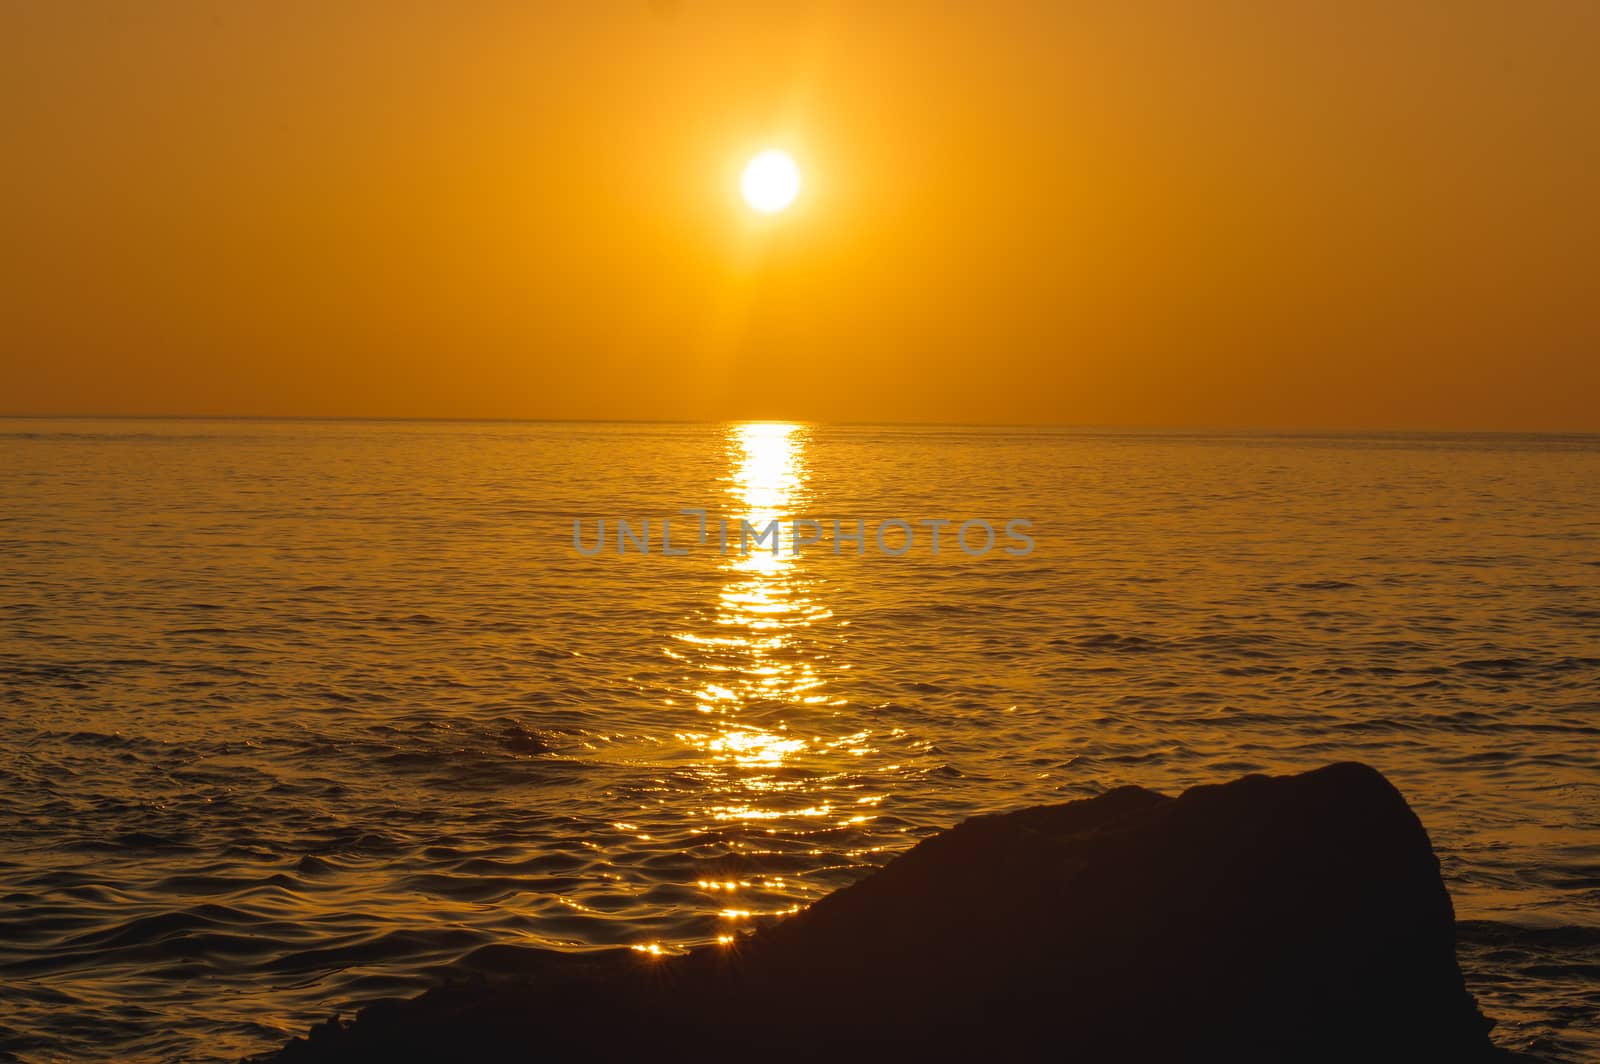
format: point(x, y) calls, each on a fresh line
point(761, 701)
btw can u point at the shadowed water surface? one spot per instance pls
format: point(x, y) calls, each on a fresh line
point(296, 712)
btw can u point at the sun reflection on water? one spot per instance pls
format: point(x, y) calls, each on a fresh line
point(763, 767)
point(756, 667)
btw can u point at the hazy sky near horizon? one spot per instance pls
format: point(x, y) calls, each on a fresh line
point(1324, 214)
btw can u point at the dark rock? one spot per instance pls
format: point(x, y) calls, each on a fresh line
point(1297, 918)
point(521, 740)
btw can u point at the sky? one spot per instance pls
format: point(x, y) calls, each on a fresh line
point(1348, 215)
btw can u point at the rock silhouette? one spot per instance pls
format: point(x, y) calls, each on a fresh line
point(1296, 918)
point(521, 740)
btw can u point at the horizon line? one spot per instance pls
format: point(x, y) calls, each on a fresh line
point(1210, 429)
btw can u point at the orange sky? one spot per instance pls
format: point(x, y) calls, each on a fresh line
point(1344, 214)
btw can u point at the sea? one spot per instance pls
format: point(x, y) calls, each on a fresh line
point(295, 715)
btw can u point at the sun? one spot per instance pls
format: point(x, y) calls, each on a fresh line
point(771, 181)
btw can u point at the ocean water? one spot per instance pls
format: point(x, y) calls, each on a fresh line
point(296, 712)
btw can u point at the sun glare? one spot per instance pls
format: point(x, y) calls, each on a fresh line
point(771, 181)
